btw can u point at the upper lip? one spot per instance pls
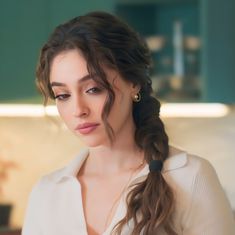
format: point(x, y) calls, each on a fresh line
point(86, 125)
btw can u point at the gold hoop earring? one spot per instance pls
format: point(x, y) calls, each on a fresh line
point(137, 98)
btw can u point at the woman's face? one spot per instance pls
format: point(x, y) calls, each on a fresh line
point(80, 100)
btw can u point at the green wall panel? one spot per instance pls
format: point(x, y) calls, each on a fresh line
point(21, 31)
point(218, 53)
point(24, 27)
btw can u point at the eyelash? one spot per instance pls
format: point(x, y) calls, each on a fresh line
point(93, 90)
point(62, 97)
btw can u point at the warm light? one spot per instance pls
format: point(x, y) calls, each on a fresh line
point(211, 110)
point(155, 43)
point(167, 110)
point(27, 110)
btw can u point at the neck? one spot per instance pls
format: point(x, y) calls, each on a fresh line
point(122, 156)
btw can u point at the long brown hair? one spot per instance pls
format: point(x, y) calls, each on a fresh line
point(104, 39)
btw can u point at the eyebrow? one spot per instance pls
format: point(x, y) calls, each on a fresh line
point(80, 80)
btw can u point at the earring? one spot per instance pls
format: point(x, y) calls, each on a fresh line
point(137, 98)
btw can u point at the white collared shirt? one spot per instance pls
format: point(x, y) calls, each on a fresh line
point(55, 204)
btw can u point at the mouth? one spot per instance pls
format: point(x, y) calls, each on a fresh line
point(86, 128)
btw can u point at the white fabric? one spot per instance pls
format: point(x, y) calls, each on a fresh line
point(55, 204)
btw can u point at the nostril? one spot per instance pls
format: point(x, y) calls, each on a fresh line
point(84, 114)
point(81, 112)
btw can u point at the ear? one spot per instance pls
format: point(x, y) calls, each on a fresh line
point(135, 88)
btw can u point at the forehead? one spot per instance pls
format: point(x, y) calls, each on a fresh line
point(71, 67)
point(73, 54)
point(67, 62)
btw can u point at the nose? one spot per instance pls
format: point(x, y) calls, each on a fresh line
point(81, 109)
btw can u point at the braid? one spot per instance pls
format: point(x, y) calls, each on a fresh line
point(153, 199)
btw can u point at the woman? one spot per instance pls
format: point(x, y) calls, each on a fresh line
point(129, 180)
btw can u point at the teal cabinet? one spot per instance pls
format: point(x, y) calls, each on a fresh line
point(208, 70)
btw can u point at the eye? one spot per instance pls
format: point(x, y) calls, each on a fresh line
point(94, 90)
point(62, 97)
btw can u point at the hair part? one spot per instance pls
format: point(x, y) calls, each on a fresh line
point(103, 39)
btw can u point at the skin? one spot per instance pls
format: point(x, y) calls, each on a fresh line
point(79, 101)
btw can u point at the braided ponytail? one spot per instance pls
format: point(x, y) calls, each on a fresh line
point(153, 199)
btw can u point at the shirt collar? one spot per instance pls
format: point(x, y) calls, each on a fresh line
point(175, 161)
point(72, 168)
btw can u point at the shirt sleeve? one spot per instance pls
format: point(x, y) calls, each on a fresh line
point(31, 225)
point(210, 212)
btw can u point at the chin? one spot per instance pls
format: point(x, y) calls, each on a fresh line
point(92, 141)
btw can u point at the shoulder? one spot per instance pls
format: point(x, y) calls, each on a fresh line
point(51, 180)
point(44, 184)
point(200, 198)
point(192, 178)
point(67, 172)
point(186, 167)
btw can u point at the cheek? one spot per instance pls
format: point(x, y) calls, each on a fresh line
point(97, 107)
point(64, 113)
point(121, 111)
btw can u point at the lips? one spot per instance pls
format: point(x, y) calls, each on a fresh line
point(86, 128)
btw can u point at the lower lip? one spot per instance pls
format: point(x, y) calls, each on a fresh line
point(87, 130)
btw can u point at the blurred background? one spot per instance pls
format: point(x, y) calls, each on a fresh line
point(193, 48)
